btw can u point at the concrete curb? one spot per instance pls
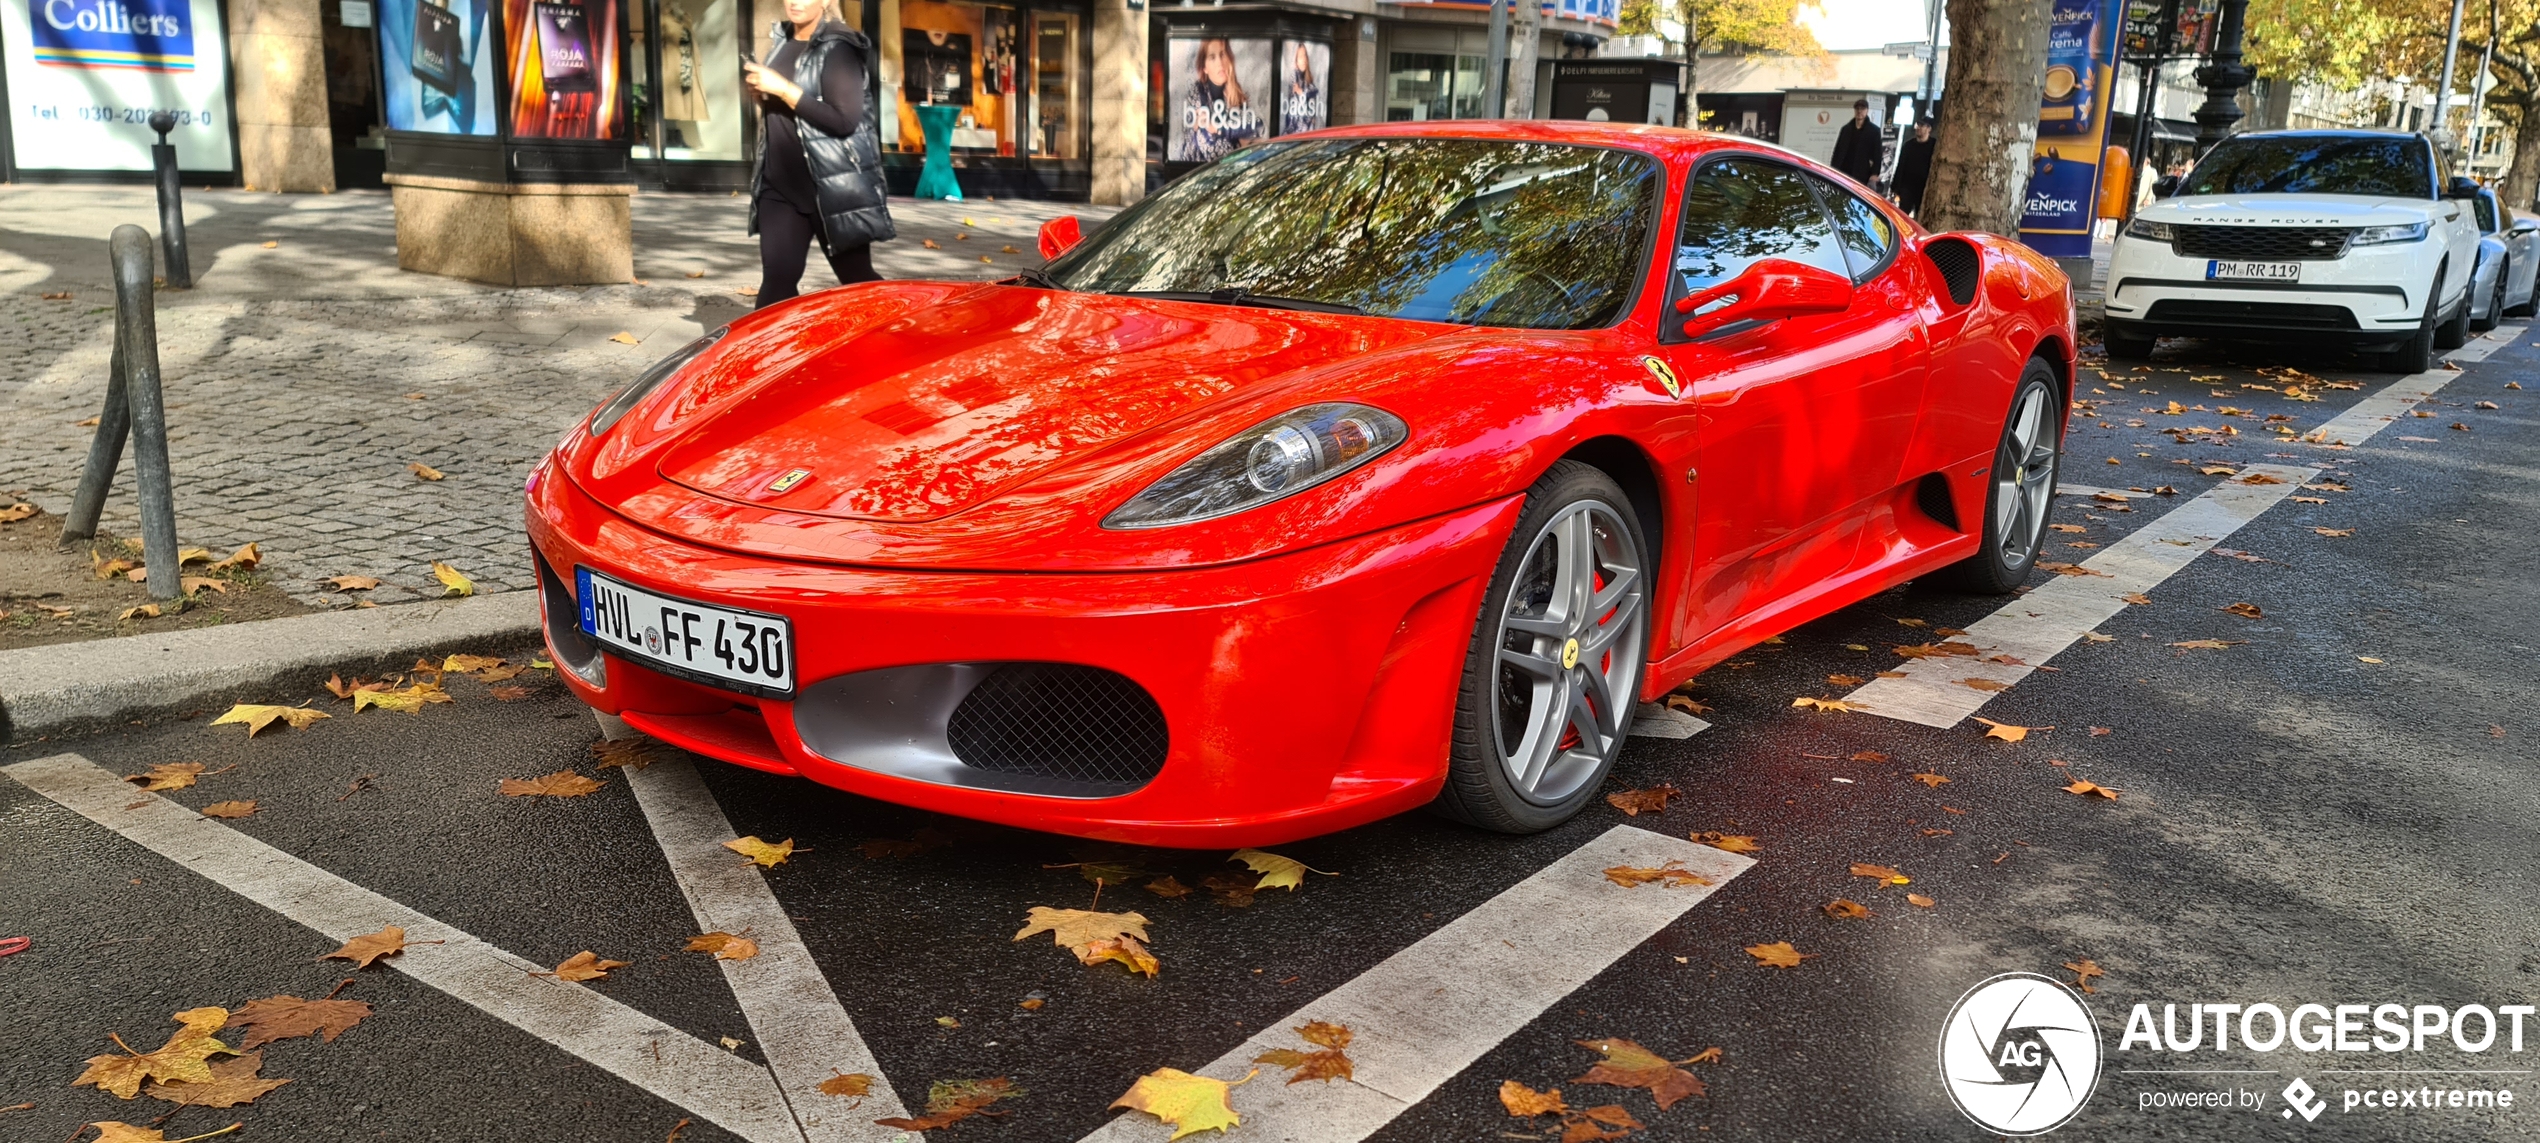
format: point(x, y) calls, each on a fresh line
point(76, 686)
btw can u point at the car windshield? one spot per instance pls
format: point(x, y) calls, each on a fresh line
point(1472, 231)
point(2486, 205)
point(2384, 166)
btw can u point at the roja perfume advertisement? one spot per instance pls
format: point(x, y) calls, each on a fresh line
point(566, 72)
point(437, 66)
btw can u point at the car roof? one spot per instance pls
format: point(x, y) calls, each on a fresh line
point(1648, 137)
point(2329, 133)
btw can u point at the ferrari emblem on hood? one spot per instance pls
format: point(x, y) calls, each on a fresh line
point(793, 477)
point(1666, 376)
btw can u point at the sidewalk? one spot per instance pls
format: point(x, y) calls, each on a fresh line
point(304, 376)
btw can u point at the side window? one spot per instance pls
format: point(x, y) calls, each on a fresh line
point(1739, 212)
point(2486, 205)
point(1867, 237)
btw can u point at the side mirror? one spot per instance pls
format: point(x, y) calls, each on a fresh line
point(1769, 290)
point(2165, 186)
point(1060, 235)
point(2461, 186)
point(2526, 225)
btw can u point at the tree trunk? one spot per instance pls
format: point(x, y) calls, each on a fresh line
point(2523, 177)
point(1688, 110)
point(1525, 33)
point(1987, 137)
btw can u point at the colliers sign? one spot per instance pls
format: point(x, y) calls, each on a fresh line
point(84, 77)
point(151, 35)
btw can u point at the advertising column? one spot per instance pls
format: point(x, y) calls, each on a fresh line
point(2072, 128)
point(85, 76)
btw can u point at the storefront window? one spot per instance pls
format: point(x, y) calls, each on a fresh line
point(967, 56)
point(1055, 76)
point(695, 100)
point(1420, 86)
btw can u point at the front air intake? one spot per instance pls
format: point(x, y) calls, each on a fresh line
point(1959, 266)
point(1060, 720)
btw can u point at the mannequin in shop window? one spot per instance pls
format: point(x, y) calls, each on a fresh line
point(683, 98)
point(819, 174)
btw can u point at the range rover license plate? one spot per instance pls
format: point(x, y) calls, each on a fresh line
point(2217, 270)
point(744, 650)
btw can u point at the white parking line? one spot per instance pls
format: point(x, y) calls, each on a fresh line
point(1427, 1012)
point(1656, 720)
point(722, 1087)
point(803, 1031)
point(2011, 642)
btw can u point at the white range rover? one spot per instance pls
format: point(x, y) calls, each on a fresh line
point(2357, 237)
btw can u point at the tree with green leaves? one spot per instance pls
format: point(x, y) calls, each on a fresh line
point(1987, 136)
point(1718, 26)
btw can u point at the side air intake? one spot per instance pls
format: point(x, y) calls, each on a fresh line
point(1959, 266)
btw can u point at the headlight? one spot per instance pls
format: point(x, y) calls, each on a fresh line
point(651, 380)
point(2146, 228)
point(2385, 235)
point(1279, 457)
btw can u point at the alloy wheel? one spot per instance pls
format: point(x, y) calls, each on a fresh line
point(2024, 489)
point(1568, 641)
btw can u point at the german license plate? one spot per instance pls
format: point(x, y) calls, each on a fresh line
point(2217, 270)
point(744, 650)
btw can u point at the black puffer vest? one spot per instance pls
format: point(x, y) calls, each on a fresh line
point(846, 174)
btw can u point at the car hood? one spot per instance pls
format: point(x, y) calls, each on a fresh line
point(2293, 210)
point(945, 405)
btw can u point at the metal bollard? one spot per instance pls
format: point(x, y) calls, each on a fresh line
point(134, 403)
point(180, 275)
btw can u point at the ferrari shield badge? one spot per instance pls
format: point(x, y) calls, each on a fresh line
point(787, 482)
point(1666, 376)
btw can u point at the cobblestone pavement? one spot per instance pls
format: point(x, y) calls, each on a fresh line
point(305, 373)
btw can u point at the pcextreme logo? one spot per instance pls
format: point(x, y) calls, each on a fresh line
point(2020, 1054)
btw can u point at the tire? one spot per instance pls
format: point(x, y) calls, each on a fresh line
point(2495, 304)
point(2454, 334)
point(2127, 346)
point(2026, 461)
point(2415, 355)
point(1526, 764)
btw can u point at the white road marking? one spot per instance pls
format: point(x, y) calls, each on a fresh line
point(732, 1092)
point(2051, 617)
point(1657, 720)
point(2088, 490)
point(1427, 1012)
point(803, 1031)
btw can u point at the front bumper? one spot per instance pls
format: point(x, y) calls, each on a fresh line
point(1301, 694)
point(2373, 296)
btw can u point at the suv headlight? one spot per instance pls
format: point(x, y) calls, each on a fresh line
point(2146, 228)
point(2385, 235)
point(1277, 458)
point(651, 380)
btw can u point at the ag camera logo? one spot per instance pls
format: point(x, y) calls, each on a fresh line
point(2020, 1054)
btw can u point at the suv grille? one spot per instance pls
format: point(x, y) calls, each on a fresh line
point(2264, 243)
point(1058, 720)
point(2252, 315)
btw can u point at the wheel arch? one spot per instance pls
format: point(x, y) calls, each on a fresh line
point(1630, 466)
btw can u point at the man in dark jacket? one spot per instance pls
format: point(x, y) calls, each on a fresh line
point(1913, 168)
point(1856, 146)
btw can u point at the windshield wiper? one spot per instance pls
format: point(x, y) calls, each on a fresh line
point(1036, 276)
point(1238, 296)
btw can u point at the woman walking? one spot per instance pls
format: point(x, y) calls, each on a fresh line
point(819, 174)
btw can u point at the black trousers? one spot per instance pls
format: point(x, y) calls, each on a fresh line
point(785, 238)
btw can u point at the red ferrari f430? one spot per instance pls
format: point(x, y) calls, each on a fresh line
point(1362, 470)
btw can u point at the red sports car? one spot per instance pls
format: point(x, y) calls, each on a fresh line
point(1362, 470)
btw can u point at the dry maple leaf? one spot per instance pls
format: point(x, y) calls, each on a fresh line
point(2209, 644)
point(1672, 873)
point(2137, 598)
point(767, 856)
point(1187, 1103)
point(167, 776)
point(411, 700)
point(2004, 731)
point(2335, 533)
point(352, 582)
point(2088, 788)
point(1637, 802)
point(144, 611)
point(1168, 887)
point(1626, 1064)
point(289, 1017)
point(369, 947)
point(1524, 1102)
point(453, 582)
point(1845, 680)
point(1883, 874)
point(469, 664)
point(1845, 909)
point(632, 753)
point(1687, 705)
point(508, 694)
point(847, 1084)
point(233, 1082)
point(1326, 1063)
point(724, 946)
point(1934, 781)
point(1920, 901)
point(1870, 756)
point(1594, 1124)
point(195, 584)
point(1732, 842)
point(1947, 648)
point(182, 1058)
point(16, 512)
point(1986, 685)
point(116, 1131)
point(424, 471)
point(561, 784)
point(586, 965)
point(950, 1101)
point(1806, 703)
point(244, 559)
point(2060, 568)
point(1276, 872)
point(257, 716)
point(1094, 937)
point(230, 809)
point(2245, 610)
point(1127, 950)
point(2084, 972)
point(1778, 954)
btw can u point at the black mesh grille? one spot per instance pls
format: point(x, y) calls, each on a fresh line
point(2255, 315)
point(1958, 264)
point(1058, 720)
point(2268, 243)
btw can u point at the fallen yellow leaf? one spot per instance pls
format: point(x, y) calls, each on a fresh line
point(1805, 703)
point(625, 337)
point(1276, 872)
point(353, 582)
point(233, 809)
point(1778, 954)
point(2088, 788)
point(424, 471)
point(1732, 842)
point(1185, 1102)
point(724, 946)
point(767, 856)
point(585, 965)
point(1672, 873)
point(2004, 731)
point(167, 776)
point(561, 784)
point(410, 700)
point(452, 580)
point(1094, 937)
point(369, 947)
point(258, 716)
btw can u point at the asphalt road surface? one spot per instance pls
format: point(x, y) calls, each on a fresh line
point(2335, 807)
